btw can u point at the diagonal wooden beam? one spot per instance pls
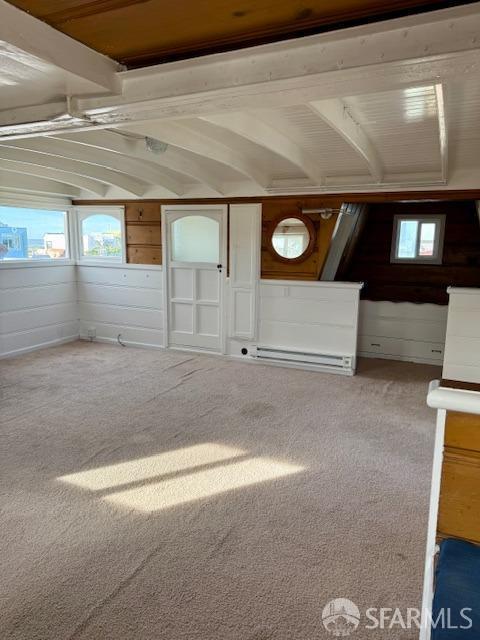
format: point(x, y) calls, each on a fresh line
point(336, 114)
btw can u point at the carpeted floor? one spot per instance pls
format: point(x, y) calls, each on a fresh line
point(149, 495)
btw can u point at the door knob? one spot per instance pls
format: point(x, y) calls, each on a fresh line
point(219, 267)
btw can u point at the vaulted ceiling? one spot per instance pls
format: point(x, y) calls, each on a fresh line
point(139, 32)
point(389, 105)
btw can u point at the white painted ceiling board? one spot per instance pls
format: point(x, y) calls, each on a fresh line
point(251, 122)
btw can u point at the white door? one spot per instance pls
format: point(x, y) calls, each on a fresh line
point(195, 274)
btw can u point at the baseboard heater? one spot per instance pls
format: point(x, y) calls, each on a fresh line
point(342, 363)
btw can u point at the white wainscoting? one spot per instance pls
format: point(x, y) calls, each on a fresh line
point(402, 331)
point(38, 307)
point(123, 299)
point(310, 317)
point(462, 347)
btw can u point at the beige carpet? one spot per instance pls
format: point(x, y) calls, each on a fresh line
point(150, 496)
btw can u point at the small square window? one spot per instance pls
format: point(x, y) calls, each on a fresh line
point(418, 239)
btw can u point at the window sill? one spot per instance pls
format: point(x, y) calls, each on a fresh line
point(16, 264)
point(432, 261)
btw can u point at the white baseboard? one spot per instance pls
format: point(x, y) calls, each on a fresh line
point(382, 356)
point(127, 343)
point(36, 347)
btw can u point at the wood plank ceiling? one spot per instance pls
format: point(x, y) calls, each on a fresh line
point(144, 32)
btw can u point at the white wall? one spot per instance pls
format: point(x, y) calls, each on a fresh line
point(38, 307)
point(462, 347)
point(402, 331)
point(123, 299)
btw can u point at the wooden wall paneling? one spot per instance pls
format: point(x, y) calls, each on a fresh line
point(459, 507)
point(417, 283)
point(328, 199)
point(143, 233)
point(310, 268)
point(144, 255)
point(141, 211)
point(462, 431)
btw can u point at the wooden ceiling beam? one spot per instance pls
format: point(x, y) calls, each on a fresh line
point(442, 129)
point(122, 165)
point(337, 115)
point(185, 137)
point(125, 144)
point(101, 174)
point(11, 181)
point(406, 52)
point(95, 187)
point(38, 40)
point(256, 130)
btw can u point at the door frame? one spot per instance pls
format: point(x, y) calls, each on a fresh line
point(222, 209)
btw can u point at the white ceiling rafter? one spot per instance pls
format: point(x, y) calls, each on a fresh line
point(95, 172)
point(134, 169)
point(38, 40)
point(336, 114)
point(93, 186)
point(256, 130)
point(442, 129)
point(185, 137)
point(12, 181)
point(119, 142)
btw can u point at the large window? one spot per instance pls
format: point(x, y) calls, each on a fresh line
point(32, 234)
point(418, 239)
point(100, 233)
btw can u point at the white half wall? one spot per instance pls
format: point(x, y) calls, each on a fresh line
point(317, 318)
point(462, 347)
point(402, 331)
point(125, 300)
point(38, 307)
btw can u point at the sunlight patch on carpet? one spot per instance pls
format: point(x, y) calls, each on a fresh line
point(152, 466)
point(224, 473)
point(202, 484)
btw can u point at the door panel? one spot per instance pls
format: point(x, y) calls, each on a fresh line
point(195, 278)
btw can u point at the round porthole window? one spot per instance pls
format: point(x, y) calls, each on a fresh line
point(292, 238)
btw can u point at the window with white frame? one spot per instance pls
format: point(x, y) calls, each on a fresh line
point(418, 239)
point(33, 234)
point(100, 232)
